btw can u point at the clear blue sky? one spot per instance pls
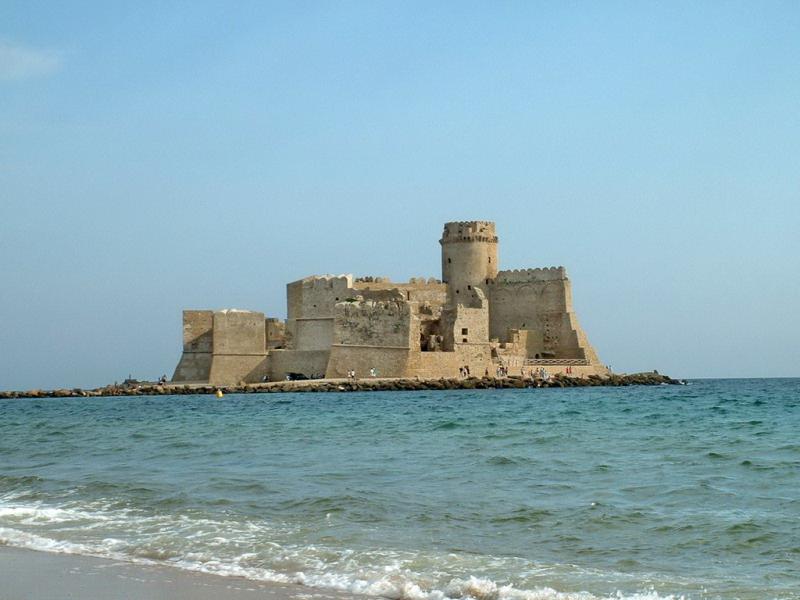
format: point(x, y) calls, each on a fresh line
point(201, 155)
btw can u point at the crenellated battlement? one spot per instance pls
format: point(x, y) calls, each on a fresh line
point(371, 307)
point(327, 281)
point(451, 224)
point(468, 231)
point(531, 275)
point(386, 283)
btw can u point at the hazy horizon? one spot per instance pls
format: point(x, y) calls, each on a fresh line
point(154, 159)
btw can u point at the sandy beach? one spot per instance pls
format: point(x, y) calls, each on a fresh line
point(32, 575)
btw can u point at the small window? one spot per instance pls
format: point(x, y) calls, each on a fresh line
point(456, 291)
point(469, 287)
point(337, 299)
point(449, 261)
point(464, 331)
point(464, 340)
point(490, 260)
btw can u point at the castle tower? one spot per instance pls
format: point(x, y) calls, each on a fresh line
point(469, 258)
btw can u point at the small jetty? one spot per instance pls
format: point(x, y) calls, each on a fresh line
point(350, 385)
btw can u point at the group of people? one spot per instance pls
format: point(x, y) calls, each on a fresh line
point(540, 373)
point(351, 373)
point(464, 371)
point(534, 374)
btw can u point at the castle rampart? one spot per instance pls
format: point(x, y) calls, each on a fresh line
point(530, 275)
point(310, 302)
point(223, 346)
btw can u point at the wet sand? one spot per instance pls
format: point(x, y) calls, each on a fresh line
point(32, 575)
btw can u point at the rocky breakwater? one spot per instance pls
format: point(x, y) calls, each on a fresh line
point(358, 385)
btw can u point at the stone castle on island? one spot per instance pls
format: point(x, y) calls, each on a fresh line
point(476, 317)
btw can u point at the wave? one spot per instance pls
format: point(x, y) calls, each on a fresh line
point(381, 573)
point(396, 585)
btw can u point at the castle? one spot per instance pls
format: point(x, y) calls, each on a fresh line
point(475, 317)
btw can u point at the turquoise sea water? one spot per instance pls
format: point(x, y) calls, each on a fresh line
point(640, 492)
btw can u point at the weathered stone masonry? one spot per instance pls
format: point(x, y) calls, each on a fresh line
point(476, 316)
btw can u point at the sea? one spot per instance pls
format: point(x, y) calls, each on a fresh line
point(528, 494)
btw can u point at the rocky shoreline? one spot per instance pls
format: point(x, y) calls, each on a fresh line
point(346, 385)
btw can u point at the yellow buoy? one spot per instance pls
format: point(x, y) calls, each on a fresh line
point(220, 394)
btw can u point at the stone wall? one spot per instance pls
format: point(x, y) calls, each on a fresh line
point(531, 275)
point(239, 332)
point(275, 331)
point(197, 330)
point(519, 302)
point(234, 369)
point(195, 361)
point(311, 363)
point(538, 301)
point(373, 334)
point(374, 323)
point(418, 289)
point(314, 297)
point(311, 334)
point(447, 364)
point(310, 302)
point(466, 324)
point(222, 347)
point(387, 361)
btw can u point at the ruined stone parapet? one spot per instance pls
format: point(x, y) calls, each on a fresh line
point(326, 281)
point(468, 231)
point(379, 283)
point(531, 275)
point(371, 307)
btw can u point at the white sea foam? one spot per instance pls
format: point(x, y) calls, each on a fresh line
point(394, 585)
point(209, 546)
point(30, 515)
point(23, 539)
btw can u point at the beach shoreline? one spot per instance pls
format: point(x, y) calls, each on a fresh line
point(27, 574)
